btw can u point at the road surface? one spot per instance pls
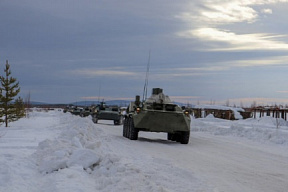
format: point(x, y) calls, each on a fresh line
point(224, 163)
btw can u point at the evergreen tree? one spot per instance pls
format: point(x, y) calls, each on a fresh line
point(9, 90)
point(19, 108)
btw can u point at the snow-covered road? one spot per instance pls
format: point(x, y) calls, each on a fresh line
point(74, 154)
point(223, 163)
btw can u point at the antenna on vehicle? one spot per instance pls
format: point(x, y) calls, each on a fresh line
point(146, 79)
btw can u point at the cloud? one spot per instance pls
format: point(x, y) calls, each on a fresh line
point(196, 71)
point(259, 100)
point(183, 99)
point(217, 22)
point(234, 11)
point(233, 41)
point(102, 72)
point(206, 68)
point(229, 12)
point(108, 98)
point(267, 11)
point(222, 12)
point(265, 61)
point(217, 67)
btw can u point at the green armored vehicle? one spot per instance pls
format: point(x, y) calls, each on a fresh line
point(66, 109)
point(75, 110)
point(157, 114)
point(85, 112)
point(103, 112)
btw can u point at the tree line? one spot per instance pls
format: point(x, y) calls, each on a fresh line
point(12, 107)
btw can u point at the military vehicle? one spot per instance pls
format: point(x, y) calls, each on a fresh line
point(75, 110)
point(66, 109)
point(157, 114)
point(85, 112)
point(103, 112)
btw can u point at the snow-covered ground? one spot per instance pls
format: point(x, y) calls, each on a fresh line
point(55, 152)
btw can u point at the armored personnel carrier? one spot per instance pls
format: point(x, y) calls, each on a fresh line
point(103, 112)
point(76, 110)
point(85, 112)
point(157, 114)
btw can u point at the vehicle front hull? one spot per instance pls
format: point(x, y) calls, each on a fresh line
point(161, 121)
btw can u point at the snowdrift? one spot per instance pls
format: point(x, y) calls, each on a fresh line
point(263, 130)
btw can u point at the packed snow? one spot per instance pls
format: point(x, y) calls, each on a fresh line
point(52, 151)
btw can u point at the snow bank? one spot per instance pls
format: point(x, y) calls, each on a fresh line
point(84, 146)
point(75, 146)
point(263, 130)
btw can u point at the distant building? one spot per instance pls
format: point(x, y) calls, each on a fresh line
point(222, 112)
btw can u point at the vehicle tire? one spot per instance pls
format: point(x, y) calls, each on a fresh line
point(128, 127)
point(118, 122)
point(178, 137)
point(184, 138)
point(94, 119)
point(125, 127)
point(173, 137)
point(121, 120)
point(133, 132)
point(169, 136)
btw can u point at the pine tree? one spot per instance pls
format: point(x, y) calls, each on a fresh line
point(19, 108)
point(9, 90)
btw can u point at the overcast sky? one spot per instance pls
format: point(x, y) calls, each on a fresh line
point(207, 51)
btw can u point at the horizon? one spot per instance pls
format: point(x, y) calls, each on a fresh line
point(212, 103)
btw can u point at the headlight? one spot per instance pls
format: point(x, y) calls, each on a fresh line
point(138, 109)
point(186, 113)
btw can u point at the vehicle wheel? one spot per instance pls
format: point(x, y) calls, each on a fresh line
point(173, 137)
point(121, 120)
point(94, 119)
point(169, 136)
point(178, 137)
point(128, 127)
point(133, 132)
point(125, 127)
point(184, 138)
point(118, 122)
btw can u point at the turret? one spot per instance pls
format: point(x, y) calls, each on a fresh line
point(156, 91)
point(137, 100)
point(158, 97)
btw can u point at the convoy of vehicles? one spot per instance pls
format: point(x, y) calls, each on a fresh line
point(98, 112)
point(155, 114)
